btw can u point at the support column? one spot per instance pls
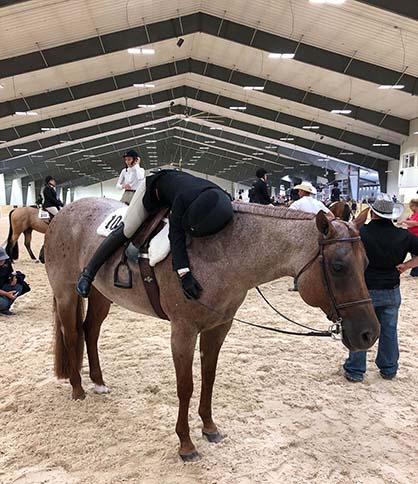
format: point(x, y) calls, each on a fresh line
point(354, 182)
point(68, 196)
point(2, 190)
point(31, 195)
point(16, 197)
point(408, 166)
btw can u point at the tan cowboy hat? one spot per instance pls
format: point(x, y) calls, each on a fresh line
point(385, 207)
point(306, 187)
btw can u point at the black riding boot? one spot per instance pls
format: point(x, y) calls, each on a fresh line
point(111, 243)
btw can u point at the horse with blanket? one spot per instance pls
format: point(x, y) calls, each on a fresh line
point(249, 245)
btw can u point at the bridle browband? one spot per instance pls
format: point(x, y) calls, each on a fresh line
point(335, 315)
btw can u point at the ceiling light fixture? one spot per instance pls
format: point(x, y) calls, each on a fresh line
point(146, 105)
point(150, 141)
point(254, 88)
point(150, 128)
point(330, 2)
point(50, 129)
point(341, 111)
point(238, 108)
point(276, 55)
point(141, 50)
point(310, 127)
point(20, 149)
point(214, 127)
point(380, 144)
point(287, 139)
point(392, 86)
point(144, 85)
point(346, 153)
point(26, 113)
point(257, 153)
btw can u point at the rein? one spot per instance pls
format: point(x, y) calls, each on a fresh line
point(335, 329)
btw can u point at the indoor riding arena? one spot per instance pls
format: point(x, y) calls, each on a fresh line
point(195, 188)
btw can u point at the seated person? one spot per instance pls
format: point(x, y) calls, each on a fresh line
point(198, 208)
point(9, 288)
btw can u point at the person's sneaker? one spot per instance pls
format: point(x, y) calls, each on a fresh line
point(352, 378)
point(387, 377)
point(7, 313)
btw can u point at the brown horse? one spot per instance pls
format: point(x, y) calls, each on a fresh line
point(260, 245)
point(24, 220)
point(340, 210)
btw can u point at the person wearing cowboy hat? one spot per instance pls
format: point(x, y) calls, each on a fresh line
point(386, 248)
point(131, 176)
point(306, 202)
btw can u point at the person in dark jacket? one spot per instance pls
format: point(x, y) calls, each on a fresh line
point(51, 203)
point(10, 290)
point(198, 208)
point(386, 248)
point(335, 193)
point(260, 192)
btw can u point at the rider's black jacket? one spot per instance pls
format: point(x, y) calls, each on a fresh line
point(50, 198)
point(177, 190)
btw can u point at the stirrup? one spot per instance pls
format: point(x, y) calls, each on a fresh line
point(116, 280)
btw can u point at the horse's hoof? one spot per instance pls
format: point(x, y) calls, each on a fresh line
point(212, 437)
point(79, 396)
point(190, 457)
point(101, 389)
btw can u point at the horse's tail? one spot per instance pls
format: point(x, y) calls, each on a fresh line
point(12, 252)
point(62, 361)
point(346, 213)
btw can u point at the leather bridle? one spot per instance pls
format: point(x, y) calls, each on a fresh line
point(335, 314)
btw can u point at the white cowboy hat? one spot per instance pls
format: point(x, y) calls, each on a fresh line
point(306, 187)
point(385, 207)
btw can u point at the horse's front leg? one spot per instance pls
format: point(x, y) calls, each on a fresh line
point(183, 342)
point(210, 345)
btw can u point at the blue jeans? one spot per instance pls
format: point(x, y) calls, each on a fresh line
point(386, 304)
point(5, 302)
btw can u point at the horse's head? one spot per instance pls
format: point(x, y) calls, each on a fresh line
point(335, 281)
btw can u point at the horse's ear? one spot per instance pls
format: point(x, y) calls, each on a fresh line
point(323, 223)
point(360, 220)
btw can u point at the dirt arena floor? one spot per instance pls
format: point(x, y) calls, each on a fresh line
point(288, 414)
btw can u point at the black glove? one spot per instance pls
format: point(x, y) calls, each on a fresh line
point(191, 288)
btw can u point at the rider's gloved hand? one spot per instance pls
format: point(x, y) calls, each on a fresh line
point(191, 288)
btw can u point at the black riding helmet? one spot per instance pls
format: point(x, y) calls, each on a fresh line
point(208, 214)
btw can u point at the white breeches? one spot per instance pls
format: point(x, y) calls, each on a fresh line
point(52, 210)
point(136, 213)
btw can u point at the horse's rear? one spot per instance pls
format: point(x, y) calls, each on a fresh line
point(23, 220)
point(70, 242)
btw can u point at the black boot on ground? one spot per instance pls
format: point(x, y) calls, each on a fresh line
point(111, 243)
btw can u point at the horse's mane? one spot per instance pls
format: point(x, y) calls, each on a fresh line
point(274, 212)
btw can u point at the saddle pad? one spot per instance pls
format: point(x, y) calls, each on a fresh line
point(159, 247)
point(43, 214)
point(112, 221)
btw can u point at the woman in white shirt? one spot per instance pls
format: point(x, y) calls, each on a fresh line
point(130, 176)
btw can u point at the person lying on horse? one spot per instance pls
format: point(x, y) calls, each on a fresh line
point(198, 208)
point(51, 203)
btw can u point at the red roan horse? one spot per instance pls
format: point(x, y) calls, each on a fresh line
point(260, 245)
